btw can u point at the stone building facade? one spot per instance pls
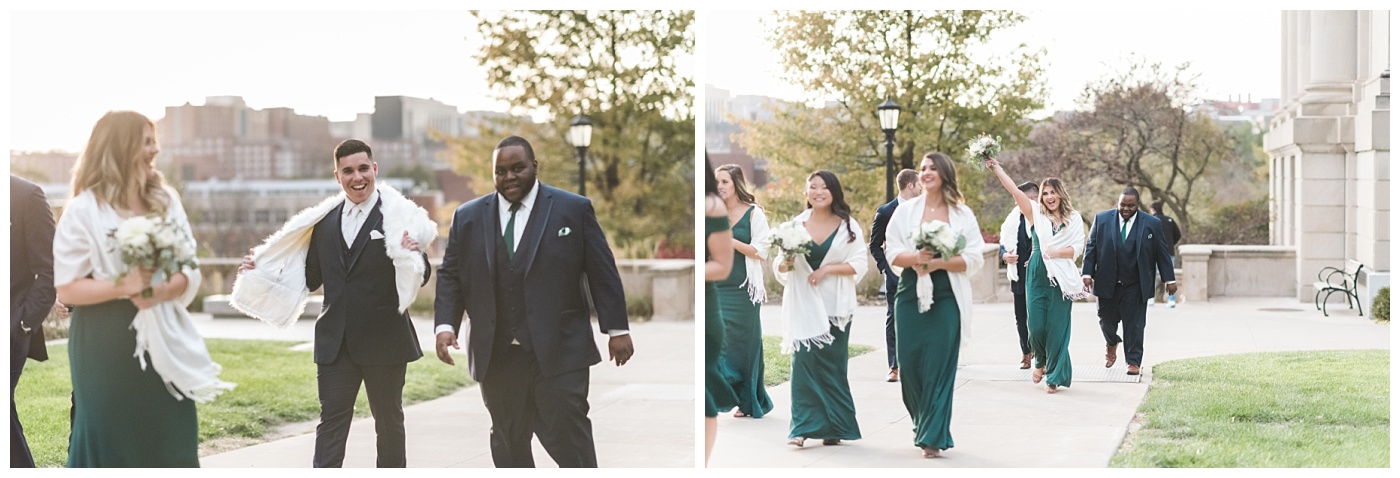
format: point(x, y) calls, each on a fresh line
point(1329, 145)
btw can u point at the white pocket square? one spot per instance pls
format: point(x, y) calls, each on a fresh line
point(375, 235)
point(564, 231)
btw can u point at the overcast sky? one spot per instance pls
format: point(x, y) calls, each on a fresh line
point(68, 68)
point(1235, 52)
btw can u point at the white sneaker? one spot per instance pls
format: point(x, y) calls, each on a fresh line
point(1151, 301)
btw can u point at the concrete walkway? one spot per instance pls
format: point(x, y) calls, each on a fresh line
point(1015, 423)
point(643, 413)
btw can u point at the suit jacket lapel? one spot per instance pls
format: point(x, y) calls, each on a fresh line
point(491, 231)
point(534, 231)
point(334, 240)
point(371, 223)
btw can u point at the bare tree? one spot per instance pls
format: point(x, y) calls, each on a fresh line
point(1136, 129)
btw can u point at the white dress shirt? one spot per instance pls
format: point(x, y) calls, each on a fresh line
point(352, 217)
point(522, 217)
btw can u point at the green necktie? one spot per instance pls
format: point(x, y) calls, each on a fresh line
point(1125, 231)
point(510, 231)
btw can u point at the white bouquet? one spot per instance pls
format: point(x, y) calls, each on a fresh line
point(939, 238)
point(983, 148)
point(789, 239)
point(154, 242)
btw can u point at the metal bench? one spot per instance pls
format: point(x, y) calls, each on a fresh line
point(1331, 280)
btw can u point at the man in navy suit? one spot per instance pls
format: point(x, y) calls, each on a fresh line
point(1123, 249)
point(908, 188)
point(31, 294)
point(523, 264)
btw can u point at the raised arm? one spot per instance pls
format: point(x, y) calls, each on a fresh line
point(1022, 201)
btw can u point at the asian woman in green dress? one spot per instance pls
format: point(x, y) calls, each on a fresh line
point(741, 294)
point(932, 301)
point(719, 253)
point(819, 300)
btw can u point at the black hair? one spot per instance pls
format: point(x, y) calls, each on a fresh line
point(514, 140)
point(838, 200)
point(1132, 191)
point(349, 147)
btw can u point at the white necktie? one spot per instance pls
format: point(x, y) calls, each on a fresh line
point(350, 226)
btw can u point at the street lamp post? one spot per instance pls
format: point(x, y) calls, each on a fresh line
point(888, 113)
point(581, 134)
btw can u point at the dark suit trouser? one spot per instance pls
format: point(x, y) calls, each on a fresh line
point(523, 402)
point(891, 284)
point(19, 448)
point(1020, 300)
point(338, 383)
point(1129, 307)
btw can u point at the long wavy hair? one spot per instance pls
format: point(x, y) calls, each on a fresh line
point(741, 186)
point(110, 165)
point(1054, 184)
point(951, 194)
point(838, 200)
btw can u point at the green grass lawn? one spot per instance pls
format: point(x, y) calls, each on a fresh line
point(777, 368)
point(1288, 409)
point(275, 386)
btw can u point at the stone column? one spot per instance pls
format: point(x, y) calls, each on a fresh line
point(1372, 152)
point(1195, 274)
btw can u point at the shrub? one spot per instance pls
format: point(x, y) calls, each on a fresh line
point(1241, 223)
point(422, 304)
point(1380, 306)
point(639, 307)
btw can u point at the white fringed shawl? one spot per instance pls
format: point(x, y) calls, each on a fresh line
point(905, 220)
point(275, 292)
point(177, 352)
point(809, 311)
point(1062, 271)
point(758, 228)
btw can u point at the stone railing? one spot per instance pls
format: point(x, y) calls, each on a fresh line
point(1237, 271)
point(669, 283)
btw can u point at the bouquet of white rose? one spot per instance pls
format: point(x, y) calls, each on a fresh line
point(153, 242)
point(939, 238)
point(983, 148)
point(789, 239)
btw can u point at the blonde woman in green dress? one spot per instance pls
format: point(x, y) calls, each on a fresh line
point(138, 364)
point(819, 299)
point(1052, 280)
point(931, 328)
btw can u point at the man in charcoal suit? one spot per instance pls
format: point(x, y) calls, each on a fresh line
point(363, 335)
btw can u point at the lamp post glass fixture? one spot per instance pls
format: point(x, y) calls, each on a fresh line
point(889, 121)
point(581, 134)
